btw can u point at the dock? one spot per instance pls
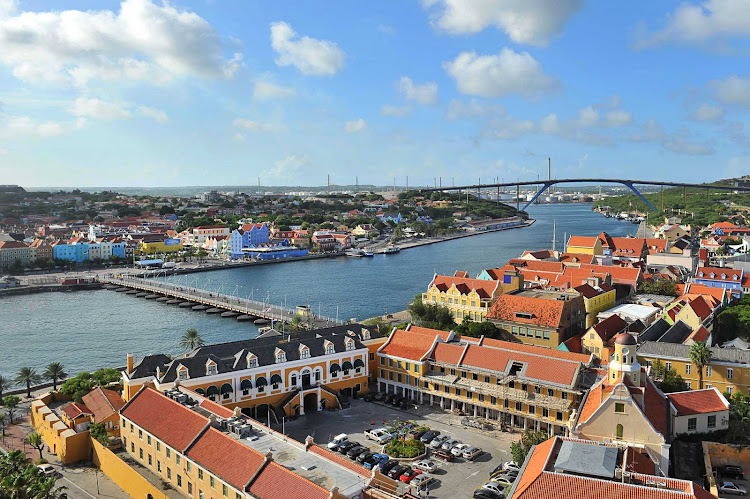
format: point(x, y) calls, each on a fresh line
point(213, 303)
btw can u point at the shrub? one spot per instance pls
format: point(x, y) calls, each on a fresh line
point(400, 448)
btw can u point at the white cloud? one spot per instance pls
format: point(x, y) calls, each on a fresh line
point(7, 7)
point(355, 126)
point(308, 55)
point(155, 114)
point(267, 90)
point(506, 73)
point(24, 127)
point(510, 128)
point(98, 109)
point(682, 142)
point(699, 23)
point(143, 41)
point(287, 168)
point(524, 21)
point(238, 137)
point(422, 94)
point(588, 117)
point(618, 117)
point(550, 124)
point(707, 112)
point(458, 109)
point(257, 126)
point(733, 90)
point(650, 131)
point(398, 112)
point(736, 132)
point(233, 65)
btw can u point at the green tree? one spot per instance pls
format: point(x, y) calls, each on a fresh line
point(700, 356)
point(296, 324)
point(5, 384)
point(82, 383)
point(672, 382)
point(36, 441)
point(2, 424)
point(99, 432)
point(27, 376)
point(11, 403)
point(20, 479)
point(191, 340)
point(530, 438)
point(55, 372)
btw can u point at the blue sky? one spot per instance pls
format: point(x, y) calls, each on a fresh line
point(144, 93)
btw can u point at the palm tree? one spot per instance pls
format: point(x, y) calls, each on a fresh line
point(5, 384)
point(27, 376)
point(700, 355)
point(35, 440)
point(191, 340)
point(55, 372)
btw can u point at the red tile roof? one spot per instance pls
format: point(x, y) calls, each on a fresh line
point(582, 242)
point(450, 354)
point(543, 312)
point(620, 275)
point(277, 482)
point(700, 334)
point(74, 410)
point(464, 285)
point(698, 401)
point(531, 349)
point(408, 344)
point(700, 307)
point(588, 291)
point(224, 456)
point(340, 460)
point(718, 271)
point(540, 265)
point(12, 244)
point(655, 405)
point(103, 403)
point(576, 258)
point(610, 326)
point(217, 409)
point(166, 419)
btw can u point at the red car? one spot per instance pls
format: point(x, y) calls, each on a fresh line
point(409, 475)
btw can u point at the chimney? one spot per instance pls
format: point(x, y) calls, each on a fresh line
point(129, 368)
point(308, 442)
point(269, 456)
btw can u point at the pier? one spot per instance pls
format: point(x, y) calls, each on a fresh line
point(211, 302)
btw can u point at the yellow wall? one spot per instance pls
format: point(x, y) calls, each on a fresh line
point(159, 247)
point(718, 379)
point(462, 306)
point(597, 304)
point(583, 250)
point(68, 445)
point(122, 474)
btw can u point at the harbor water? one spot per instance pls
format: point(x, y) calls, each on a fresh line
point(86, 330)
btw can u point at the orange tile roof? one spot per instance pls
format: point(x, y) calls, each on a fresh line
point(547, 352)
point(622, 275)
point(702, 289)
point(700, 334)
point(217, 409)
point(103, 403)
point(535, 465)
point(428, 331)
point(592, 403)
point(658, 245)
point(277, 482)
point(166, 419)
point(698, 401)
point(450, 354)
point(464, 285)
point(224, 456)
point(718, 271)
point(582, 242)
point(74, 409)
point(609, 327)
point(541, 265)
point(577, 258)
point(543, 312)
point(408, 344)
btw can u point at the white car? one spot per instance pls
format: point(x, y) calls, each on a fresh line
point(495, 487)
point(338, 440)
point(425, 465)
point(504, 480)
point(458, 450)
point(420, 481)
point(449, 444)
point(47, 469)
point(510, 465)
point(732, 488)
point(380, 435)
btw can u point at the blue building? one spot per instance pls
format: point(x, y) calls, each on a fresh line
point(248, 236)
point(72, 251)
point(720, 277)
point(392, 217)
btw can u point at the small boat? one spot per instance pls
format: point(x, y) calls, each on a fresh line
point(391, 249)
point(261, 321)
point(367, 253)
point(354, 252)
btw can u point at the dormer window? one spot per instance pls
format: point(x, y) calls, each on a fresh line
point(723, 276)
point(182, 373)
point(349, 344)
point(713, 275)
point(700, 274)
point(304, 352)
point(252, 361)
point(735, 277)
point(280, 356)
point(365, 334)
point(211, 368)
point(330, 349)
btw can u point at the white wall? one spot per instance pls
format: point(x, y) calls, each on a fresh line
point(680, 423)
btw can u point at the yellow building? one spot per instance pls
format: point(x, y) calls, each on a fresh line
point(597, 340)
point(585, 245)
point(164, 246)
point(519, 385)
point(466, 298)
point(728, 370)
point(596, 298)
point(269, 377)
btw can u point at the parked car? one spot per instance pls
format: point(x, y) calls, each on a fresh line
point(443, 454)
point(397, 471)
point(449, 444)
point(356, 451)
point(730, 470)
point(388, 397)
point(426, 465)
point(495, 487)
point(395, 400)
point(422, 480)
point(485, 494)
point(417, 434)
point(387, 467)
point(471, 453)
point(379, 396)
point(428, 436)
point(337, 441)
point(365, 456)
point(505, 475)
point(345, 446)
point(403, 403)
point(369, 397)
point(410, 475)
point(458, 449)
point(379, 435)
point(510, 465)
point(504, 480)
point(47, 469)
point(437, 442)
point(732, 488)
point(377, 460)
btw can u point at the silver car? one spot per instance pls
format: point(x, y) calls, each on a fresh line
point(732, 488)
point(438, 441)
point(449, 444)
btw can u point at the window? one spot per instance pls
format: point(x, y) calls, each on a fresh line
point(619, 407)
point(458, 392)
point(730, 390)
point(382, 373)
point(481, 397)
point(688, 368)
point(140, 434)
point(519, 407)
point(140, 453)
point(559, 416)
point(349, 346)
point(252, 362)
point(493, 400)
point(708, 371)
point(177, 459)
point(619, 431)
point(532, 409)
point(707, 385)
point(399, 377)
point(446, 389)
point(711, 422)
point(148, 439)
point(131, 428)
point(280, 357)
point(407, 366)
point(390, 362)
point(522, 331)
point(224, 490)
point(200, 474)
point(537, 390)
point(538, 333)
point(158, 445)
point(692, 424)
point(382, 361)
point(132, 447)
point(390, 375)
point(511, 384)
point(158, 466)
point(213, 483)
point(416, 368)
point(524, 387)
point(372, 357)
point(304, 353)
point(546, 335)
point(179, 480)
point(182, 374)
point(506, 403)
point(188, 466)
point(211, 369)
point(545, 412)
point(169, 473)
point(150, 462)
point(190, 488)
point(730, 373)
point(486, 379)
point(550, 392)
point(169, 452)
point(668, 366)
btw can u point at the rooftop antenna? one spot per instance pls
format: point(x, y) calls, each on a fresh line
point(549, 168)
point(329, 183)
point(407, 182)
point(554, 234)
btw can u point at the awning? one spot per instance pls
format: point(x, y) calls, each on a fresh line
point(212, 390)
point(335, 368)
point(226, 388)
point(260, 381)
point(246, 384)
point(276, 379)
point(358, 363)
point(200, 391)
point(347, 366)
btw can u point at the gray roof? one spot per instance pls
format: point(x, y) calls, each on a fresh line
point(654, 331)
point(677, 333)
point(586, 459)
point(680, 351)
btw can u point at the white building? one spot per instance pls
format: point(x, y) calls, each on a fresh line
point(698, 411)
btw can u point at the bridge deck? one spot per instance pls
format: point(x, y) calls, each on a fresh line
point(215, 300)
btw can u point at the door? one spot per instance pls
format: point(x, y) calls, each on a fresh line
point(306, 379)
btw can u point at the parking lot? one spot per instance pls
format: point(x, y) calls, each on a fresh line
point(455, 479)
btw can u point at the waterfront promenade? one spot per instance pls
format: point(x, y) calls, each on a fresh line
point(213, 302)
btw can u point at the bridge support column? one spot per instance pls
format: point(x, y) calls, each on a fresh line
point(632, 188)
point(544, 188)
